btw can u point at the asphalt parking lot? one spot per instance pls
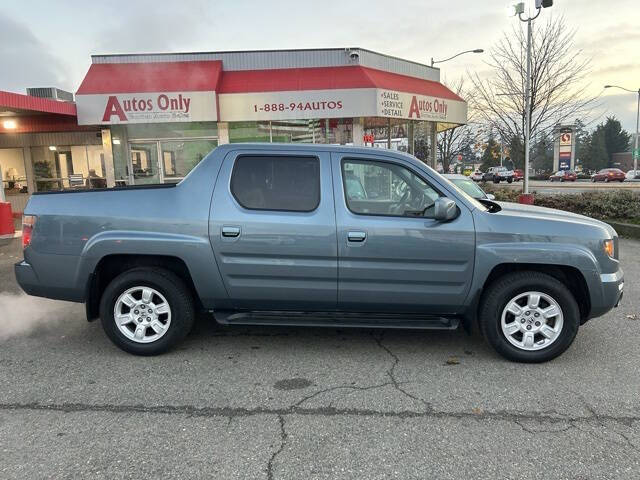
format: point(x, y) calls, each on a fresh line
point(312, 403)
point(546, 187)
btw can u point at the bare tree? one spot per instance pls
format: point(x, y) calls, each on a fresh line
point(455, 140)
point(559, 74)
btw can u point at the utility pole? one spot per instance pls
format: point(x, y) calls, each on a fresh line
point(519, 10)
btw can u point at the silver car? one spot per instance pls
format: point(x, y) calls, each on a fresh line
point(467, 185)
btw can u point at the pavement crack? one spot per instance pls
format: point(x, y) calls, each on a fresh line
point(392, 376)
point(238, 412)
point(339, 387)
point(283, 442)
point(540, 430)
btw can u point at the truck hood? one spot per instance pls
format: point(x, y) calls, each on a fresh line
point(544, 213)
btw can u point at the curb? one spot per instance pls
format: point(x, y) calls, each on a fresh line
point(9, 236)
point(626, 229)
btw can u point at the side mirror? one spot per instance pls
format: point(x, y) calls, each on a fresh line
point(445, 209)
point(491, 196)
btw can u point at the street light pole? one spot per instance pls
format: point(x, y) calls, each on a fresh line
point(477, 50)
point(636, 151)
point(527, 93)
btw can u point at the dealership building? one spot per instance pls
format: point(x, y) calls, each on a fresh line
point(150, 118)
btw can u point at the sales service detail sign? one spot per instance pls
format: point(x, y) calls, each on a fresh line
point(161, 107)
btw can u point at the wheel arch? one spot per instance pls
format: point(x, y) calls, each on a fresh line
point(570, 276)
point(110, 266)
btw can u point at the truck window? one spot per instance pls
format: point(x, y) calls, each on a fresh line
point(381, 188)
point(286, 183)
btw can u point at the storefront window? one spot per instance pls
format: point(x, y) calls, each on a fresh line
point(14, 177)
point(59, 167)
point(158, 153)
point(334, 131)
point(387, 133)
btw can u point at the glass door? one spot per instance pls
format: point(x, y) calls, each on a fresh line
point(144, 163)
point(180, 156)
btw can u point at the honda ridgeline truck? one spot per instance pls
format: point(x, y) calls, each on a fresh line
point(272, 234)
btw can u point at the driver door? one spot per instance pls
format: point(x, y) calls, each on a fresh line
point(392, 255)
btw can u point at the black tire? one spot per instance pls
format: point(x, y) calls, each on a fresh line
point(501, 291)
point(176, 294)
point(510, 180)
point(496, 180)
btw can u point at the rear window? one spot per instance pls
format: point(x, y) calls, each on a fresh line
point(287, 183)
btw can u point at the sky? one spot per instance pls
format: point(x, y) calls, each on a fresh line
point(44, 43)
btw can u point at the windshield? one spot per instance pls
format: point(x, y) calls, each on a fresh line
point(469, 187)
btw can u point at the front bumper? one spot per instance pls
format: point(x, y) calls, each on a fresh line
point(612, 291)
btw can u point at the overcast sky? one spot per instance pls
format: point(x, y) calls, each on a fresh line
point(44, 43)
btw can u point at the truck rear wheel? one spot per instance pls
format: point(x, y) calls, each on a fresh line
point(529, 317)
point(146, 311)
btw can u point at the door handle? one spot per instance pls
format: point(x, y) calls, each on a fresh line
point(356, 236)
point(230, 231)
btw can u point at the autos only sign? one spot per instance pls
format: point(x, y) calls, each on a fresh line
point(420, 107)
point(121, 108)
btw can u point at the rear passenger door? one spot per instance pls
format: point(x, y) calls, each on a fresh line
point(392, 254)
point(272, 228)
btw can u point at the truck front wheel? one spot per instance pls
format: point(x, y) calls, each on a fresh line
point(529, 316)
point(146, 310)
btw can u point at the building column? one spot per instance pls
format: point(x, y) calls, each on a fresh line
point(358, 132)
point(223, 133)
point(28, 169)
point(110, 174)
point(434, 145)
point(411, 140)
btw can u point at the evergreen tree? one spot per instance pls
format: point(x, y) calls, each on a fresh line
point(516, 152)
point(490, 155)
point(542, 153)
point(615, 138)
point(595, 154)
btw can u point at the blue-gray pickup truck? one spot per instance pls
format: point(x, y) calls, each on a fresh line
point(272, 234)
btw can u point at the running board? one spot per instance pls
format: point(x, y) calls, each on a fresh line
point(337, 320)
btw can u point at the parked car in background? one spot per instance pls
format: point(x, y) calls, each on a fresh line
point(563, 176)
point(608, 175)
point(632, 176)
point(498, 174)
point(518, 175)
point(319, 235)
point(469, 187)
point(477, 176)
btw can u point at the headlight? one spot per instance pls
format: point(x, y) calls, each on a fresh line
point(608, 247)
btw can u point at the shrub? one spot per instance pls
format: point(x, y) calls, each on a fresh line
point(622, 205)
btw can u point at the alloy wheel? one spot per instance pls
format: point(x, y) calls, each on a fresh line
point(142, 314)
point(532, 321)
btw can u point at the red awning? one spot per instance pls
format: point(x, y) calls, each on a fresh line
point(151, 77)
point(328, 78)
point(20, 104)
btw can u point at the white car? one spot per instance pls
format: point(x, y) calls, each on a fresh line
point(632, 176)
point(476, 176)
point(498, 174)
